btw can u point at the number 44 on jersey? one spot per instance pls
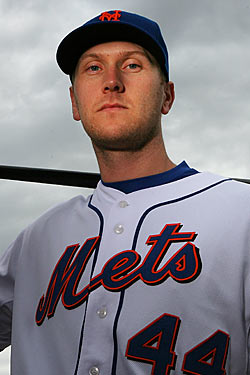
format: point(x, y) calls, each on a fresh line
point(155, 345)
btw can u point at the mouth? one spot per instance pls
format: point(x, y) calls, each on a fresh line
point(112, 107)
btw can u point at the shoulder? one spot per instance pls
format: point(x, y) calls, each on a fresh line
point(52, 224)
point(227, 197)
point(224, 188)
point(230, 186)
point(62, 212)
point(207, 180)
point(55, 220)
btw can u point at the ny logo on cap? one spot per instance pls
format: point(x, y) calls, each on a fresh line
point(110, 17)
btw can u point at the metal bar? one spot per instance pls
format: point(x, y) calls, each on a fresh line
point(50, 176)
point(58, 177)
point(245, 180)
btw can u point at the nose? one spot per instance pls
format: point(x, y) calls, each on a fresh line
point(113, 82)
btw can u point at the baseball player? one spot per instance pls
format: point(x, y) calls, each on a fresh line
point(150, 275)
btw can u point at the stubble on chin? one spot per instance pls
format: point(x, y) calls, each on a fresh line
point(129, 137)
point(129, 141)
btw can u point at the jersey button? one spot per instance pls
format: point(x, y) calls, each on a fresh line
point(118, 229)
point(94, 371)
point(123, 204)
point(102, 313)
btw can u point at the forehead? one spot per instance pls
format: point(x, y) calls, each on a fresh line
point(114, 48)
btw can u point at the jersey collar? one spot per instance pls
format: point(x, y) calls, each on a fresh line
point(180, 171)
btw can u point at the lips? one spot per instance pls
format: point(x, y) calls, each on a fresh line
point(109, 106)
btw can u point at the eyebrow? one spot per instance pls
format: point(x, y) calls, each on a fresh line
point(124, 54)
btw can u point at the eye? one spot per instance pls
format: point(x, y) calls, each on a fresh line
point(93, 68)
point(132, 66)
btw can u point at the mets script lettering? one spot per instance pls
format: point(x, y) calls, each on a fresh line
point(110, 17)
point(122, 270)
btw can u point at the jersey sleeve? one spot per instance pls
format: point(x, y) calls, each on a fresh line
point(246, 297)
point(8, 267)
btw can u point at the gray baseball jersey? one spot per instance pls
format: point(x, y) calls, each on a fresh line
point(152, 280)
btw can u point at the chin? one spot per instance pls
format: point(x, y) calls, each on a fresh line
point(122, 135)
point(132, 143)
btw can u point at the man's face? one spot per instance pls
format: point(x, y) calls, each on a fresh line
point(119, 95)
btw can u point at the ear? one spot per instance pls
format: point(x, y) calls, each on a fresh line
point(76, 115)
point(168, 98)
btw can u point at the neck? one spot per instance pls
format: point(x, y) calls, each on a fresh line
point(126, 165)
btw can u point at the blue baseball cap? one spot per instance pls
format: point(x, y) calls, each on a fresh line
point(114, 25)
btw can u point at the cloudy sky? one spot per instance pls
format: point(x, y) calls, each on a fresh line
point(209, 125)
